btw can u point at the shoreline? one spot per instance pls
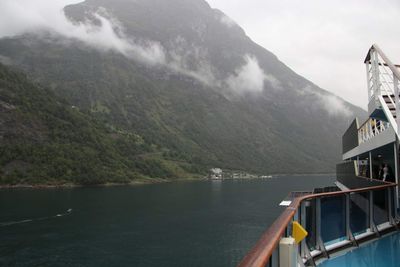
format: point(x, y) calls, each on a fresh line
point(141, 182)
point(70, 185)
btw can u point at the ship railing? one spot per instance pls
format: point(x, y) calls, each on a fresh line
point(334, 221)
point(371, 128)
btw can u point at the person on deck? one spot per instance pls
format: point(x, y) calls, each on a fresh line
point(380, 174)
point(385, 172)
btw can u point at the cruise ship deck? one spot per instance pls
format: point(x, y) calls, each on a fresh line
point(381, 252)
point(355, 223)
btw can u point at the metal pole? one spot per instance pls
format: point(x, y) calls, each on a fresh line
point(303, 223)
point(389, 199)
point(396, 175)
point(397, 101)
point(274, 261)
point(349, 233)
point(347, 214)
point(320, 242)
point(376, 74)
point(368, 80)
point(372, 225)
point(370, 164)
point(371, 209)
point(317, 218)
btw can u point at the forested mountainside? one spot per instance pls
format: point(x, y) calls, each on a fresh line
point(183, 83)
point(44, 140)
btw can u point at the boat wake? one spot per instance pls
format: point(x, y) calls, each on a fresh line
point(68, 212)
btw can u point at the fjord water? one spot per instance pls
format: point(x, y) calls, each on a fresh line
point(201, 223)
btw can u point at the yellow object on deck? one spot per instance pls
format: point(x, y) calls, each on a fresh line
point(298, 232)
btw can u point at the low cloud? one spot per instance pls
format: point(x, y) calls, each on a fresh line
point(332, 104)
point(21, 16)
point(274, 82)
point(248, 78)
point(227, 21)
point(335, 106)
point(224, 19)
point(5, 60)
point(191, 60)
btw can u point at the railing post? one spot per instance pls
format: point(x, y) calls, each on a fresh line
point(397, 101)
point(347, 215)
point(372, 225)
point(371, 209)
point(303, 223)
point(370, 164)
point(319, 240)
point(389, 200)
point(349, 233)
point(274, 261)
point(371, 127)
point(317, 219)
point(396, 177)
point(304, 249)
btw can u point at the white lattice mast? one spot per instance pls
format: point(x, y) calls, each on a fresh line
point(383, 85)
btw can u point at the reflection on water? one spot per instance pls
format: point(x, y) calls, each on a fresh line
point(3, 224)
point(205, 223)
point(216, 185)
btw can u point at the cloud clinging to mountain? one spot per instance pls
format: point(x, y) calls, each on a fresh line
point(27, 16)
point(248, 78)
point(22, 16)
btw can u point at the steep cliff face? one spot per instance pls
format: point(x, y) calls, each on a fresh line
point(187, 79)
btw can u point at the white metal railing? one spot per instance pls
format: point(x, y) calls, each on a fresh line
point(370, 129)
point(383, 85)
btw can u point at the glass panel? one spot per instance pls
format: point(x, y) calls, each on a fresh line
point(392, 191)
point(310, 224)
point(274, 259)
point(380, 207)
point(359, 211)
point(333, 223)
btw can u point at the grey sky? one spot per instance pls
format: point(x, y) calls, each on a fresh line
point(324, 41)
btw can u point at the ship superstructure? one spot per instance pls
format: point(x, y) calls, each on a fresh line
point(356, 222)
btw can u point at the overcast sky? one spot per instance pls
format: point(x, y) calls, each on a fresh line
point(324, 41)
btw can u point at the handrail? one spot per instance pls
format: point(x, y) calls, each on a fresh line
point(260, 254)
point(366, 122)
point(372, 179)
point(371, 128)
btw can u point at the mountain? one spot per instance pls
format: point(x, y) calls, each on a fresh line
point(44, 140)
point(187, 80)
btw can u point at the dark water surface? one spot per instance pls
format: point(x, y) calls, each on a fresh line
point(204, 223)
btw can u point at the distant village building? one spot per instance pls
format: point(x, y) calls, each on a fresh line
point(236, 175)
point(215, 173)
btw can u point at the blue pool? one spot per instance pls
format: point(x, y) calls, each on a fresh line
point(381, 253)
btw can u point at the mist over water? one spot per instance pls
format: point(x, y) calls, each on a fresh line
point(205, 223)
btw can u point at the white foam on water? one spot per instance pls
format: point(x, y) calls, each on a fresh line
point(35, 219)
